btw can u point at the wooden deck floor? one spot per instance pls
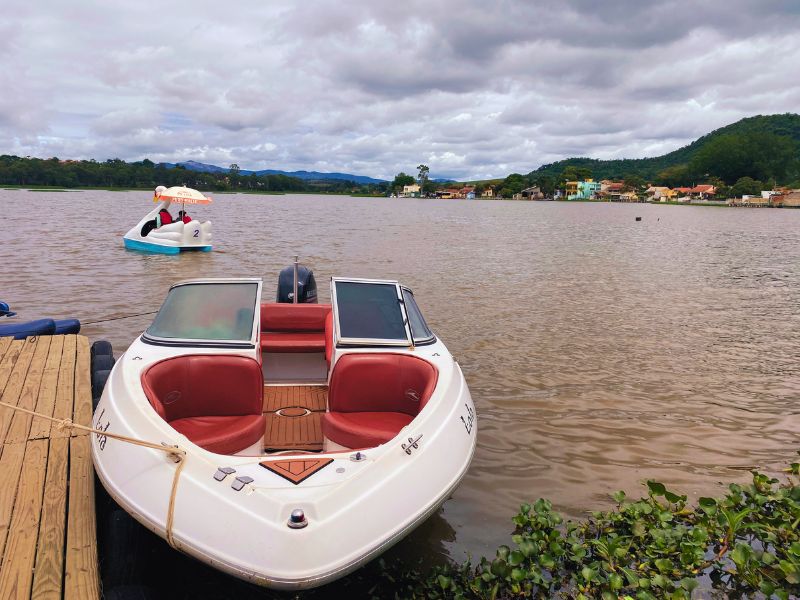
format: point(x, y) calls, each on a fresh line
point(293, 414)
point(48, 539)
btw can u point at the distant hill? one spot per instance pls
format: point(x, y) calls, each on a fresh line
point(304, 175)
point(786, 125)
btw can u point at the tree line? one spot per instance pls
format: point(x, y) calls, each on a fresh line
point(736, 163)
point(145, 174)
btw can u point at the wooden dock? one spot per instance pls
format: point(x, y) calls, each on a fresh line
point(48, 538)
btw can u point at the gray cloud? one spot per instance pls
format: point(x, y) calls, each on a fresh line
point(473, 89)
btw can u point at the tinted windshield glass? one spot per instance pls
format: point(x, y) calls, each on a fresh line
point(419, 328)
point(207, 311)
point(369, 311)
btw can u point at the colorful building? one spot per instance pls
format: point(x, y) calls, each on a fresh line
point(583, 190)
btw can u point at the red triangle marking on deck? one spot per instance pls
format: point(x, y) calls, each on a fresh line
point(296, 471)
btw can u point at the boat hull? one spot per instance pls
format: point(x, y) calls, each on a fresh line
point(356, 509)
point(172, 238)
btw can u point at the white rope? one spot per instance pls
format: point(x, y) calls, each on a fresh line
point(177, 453)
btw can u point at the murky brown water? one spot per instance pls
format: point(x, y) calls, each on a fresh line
point(600, 351)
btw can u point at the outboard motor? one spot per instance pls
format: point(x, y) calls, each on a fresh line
point(306, 285)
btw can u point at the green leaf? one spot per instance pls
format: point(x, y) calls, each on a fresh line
point(664, 565)
point(708, 505)
point(619, 496)
point(790, 571)
point(527, 547)
point(656, 488)
point(588, 574)
point(525, 508)
point(518, 575)
point(503, 551)
point(639, 528)
point(615, 581)
point(741, 555)
point(689, 584)
point(515, 558)
point(659, 580)
point(444, 582)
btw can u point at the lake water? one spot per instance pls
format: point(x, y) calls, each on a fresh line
point(600, 351)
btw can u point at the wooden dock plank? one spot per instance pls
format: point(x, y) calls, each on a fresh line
point(16, 573)
point(8, 361)
point(5, 342)
point(13, 387)
point(10, 467)
point(82, 579)
point(40, 428)
point(65, 391)
point(49, 573)
point(21, 422)
point(83, 386)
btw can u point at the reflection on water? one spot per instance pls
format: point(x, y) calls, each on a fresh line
point(600, 351)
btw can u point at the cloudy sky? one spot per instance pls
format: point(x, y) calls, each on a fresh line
point(474, 89)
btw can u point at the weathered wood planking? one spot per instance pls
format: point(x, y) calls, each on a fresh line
point(16, 574)
point(48, 537)
point(49, 574)
point(40, 428)
point(82, 574)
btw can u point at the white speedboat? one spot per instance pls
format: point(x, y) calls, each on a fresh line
point(162, 232)
point(315, 436)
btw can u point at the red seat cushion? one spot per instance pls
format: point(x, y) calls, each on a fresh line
point(280, 341)
point(363, 429)
point(216, 401)
point(293, 317)
point(372, 396)
point(221, 434)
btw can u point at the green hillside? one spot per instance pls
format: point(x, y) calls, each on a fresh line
point(747, 134)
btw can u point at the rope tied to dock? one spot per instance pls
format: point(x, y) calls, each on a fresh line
point(175, 452)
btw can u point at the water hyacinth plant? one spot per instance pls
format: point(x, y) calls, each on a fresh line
point(745, 544)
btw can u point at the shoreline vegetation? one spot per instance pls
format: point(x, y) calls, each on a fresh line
point(744, 544)
point(744, 160)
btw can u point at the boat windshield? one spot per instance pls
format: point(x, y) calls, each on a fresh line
point(207, 311)
point(369, 312)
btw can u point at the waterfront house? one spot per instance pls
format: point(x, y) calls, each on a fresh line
point(487, 193)
point(628, 197)
point(613, 190)
point(583, 190)
point(531, 193)
point(410, 191)
point(448, 193)
point(659, 194)
point(703, 192)
point(787, 199)
point(466, 191)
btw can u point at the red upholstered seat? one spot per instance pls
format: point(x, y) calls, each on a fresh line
point(293, 327)
point(223, 435)
point(290, 341)
point(372, 396)
point(363, 429)
point(215, 401)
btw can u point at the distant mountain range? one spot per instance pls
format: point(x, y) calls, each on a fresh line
point(787, 124)
point(304, 175)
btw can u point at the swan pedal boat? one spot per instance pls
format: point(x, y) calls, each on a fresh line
point(316, 436)
point(174, 237)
